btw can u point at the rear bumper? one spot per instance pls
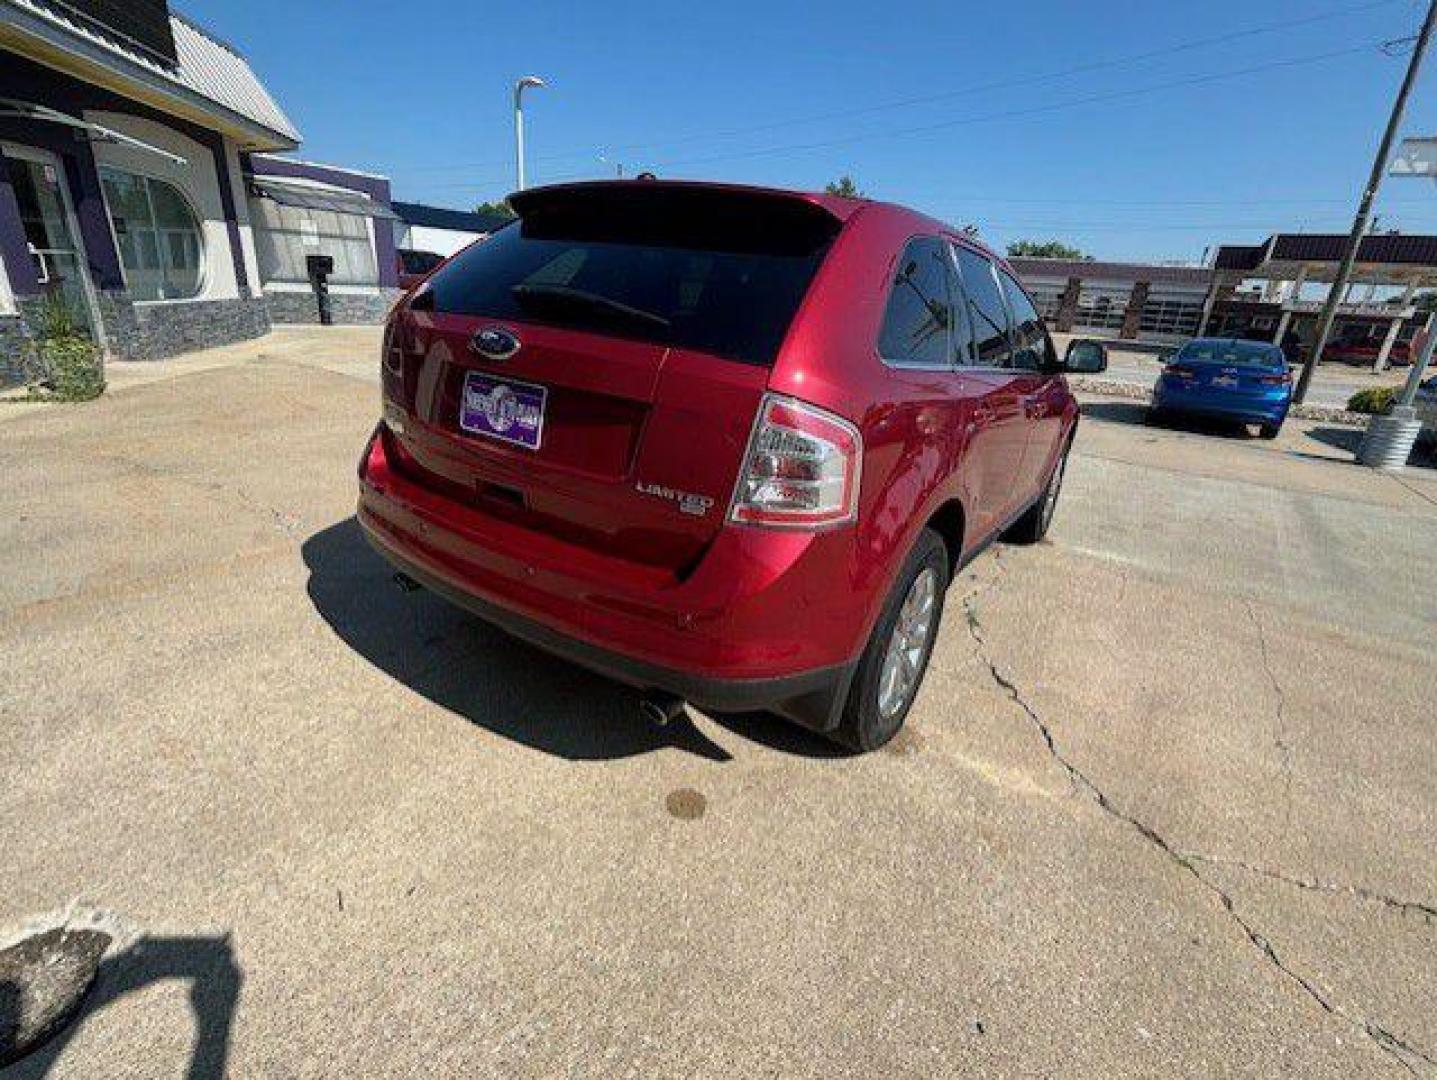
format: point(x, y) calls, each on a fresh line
point(757, 625)
point(1251, 409)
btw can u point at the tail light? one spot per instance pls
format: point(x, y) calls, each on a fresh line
point(801, 468)
point(390, 353)
point(1179, 370)
point(395, 351)
point(1276, 380)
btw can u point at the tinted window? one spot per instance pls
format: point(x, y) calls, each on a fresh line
point(1031, 347)
point(720, 278)
point(918, 322)
point(988, 313)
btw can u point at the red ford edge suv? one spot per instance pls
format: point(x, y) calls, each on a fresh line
point(727, 445)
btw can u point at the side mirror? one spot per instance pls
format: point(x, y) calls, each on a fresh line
point(1086, 357)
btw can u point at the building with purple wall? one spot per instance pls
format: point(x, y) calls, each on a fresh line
point(122, 194)
point(138, 190)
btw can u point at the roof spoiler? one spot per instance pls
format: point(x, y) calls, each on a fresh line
point(677, 213)
point(646, 186)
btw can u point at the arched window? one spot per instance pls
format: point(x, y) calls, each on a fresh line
point(161, 246)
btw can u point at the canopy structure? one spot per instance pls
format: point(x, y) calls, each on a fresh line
point(26, 110)
point(308, 196)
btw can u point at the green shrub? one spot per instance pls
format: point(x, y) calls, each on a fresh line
point(73, 363)
point(1375, 399)
point(73, 368)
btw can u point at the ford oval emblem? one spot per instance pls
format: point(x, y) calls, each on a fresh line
point(494, 342)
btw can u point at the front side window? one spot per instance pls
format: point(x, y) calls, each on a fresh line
point(986, 307)
point(1032, 350)
point(918, 322)
point(158, 236)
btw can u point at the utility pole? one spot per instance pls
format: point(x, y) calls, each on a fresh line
point(1364, 207)
point(519, 88)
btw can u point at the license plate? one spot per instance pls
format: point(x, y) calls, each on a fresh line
point(1225, 380)
point(503, 409)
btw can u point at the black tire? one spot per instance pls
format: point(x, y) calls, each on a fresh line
point(1033, 525)
point(864, 726)
point(1155, 417)
point(1269, 431)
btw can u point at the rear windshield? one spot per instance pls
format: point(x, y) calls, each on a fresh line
point(720, 274)
point(1251, 353)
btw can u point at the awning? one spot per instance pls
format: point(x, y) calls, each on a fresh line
point(26, 110)
point(306, 197)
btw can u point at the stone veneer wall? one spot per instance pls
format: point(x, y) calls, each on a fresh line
point(348, 308)
point(139, 332)
point(17, 348)
point(154, 331)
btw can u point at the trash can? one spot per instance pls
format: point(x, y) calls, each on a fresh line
point(320, 267)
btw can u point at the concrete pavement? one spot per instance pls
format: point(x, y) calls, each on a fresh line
point(1162, 807)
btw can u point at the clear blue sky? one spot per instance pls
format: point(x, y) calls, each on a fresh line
point(420, 91)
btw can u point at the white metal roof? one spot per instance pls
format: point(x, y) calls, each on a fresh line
point(208, 68)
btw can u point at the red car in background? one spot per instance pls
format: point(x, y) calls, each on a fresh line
point(727, 445)
point(414, 266)
point(1360, 343)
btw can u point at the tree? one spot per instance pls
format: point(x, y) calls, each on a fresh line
point(1046, 249)
point(844, 186)
point(496, 209)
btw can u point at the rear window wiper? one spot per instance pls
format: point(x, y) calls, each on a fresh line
point(563, 294)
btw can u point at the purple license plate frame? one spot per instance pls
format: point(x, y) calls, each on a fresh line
point(503, 409)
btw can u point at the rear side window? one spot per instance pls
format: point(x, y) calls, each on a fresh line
point(918, 322)
point(711, 271)
point(1032, 348)
point(985, 306)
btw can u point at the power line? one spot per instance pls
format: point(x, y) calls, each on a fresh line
point(1006, 114)
point(1036, 110)
point(948, 95)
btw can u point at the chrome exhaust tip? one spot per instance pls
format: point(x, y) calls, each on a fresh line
point(661, 709)
point(405, 582)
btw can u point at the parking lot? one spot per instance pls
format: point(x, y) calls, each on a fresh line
point(1165, 805)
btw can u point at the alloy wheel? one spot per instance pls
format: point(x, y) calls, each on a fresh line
point(903, 661)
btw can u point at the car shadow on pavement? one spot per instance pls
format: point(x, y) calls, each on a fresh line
point(1342, 438)
point(207, 963)
point(1137, 414)
point(463, 664)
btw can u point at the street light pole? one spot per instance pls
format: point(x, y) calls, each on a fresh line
point(519, 88)
point(1364, 207)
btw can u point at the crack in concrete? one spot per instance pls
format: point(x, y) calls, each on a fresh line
point(1426, 912)
point(282, 520)
point(1400, 1050)
point(1280, 740)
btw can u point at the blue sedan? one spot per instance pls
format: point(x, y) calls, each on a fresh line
point(1243, 381)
